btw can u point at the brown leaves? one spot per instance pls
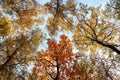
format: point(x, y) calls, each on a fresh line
point(57, 54)
point(6, 26)
point(18, 50)
point(92, 28)
point(60, 19)
point(91, 33)
point(25, 14)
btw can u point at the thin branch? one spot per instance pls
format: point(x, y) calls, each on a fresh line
point(48, 62)
point(107, 36)
point(94, 33)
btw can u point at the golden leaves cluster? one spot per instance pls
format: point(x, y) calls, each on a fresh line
point(6, 26)
point(92, 28)
point(26, 14)
point(60, 16)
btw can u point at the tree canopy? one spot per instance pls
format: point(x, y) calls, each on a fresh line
point(59, 40)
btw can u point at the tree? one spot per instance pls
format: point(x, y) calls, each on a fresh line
point(95, 67)
point(55, 62)
point(16, 52)
point(19, 37)
point(95, 30)
point(60, 12)
point(24, 14)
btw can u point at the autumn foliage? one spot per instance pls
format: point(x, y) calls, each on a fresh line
point(30, 48)
point(56, 60)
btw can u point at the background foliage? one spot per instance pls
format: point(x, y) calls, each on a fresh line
point(91, 50)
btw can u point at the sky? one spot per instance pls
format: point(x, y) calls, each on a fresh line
point(94, 3)
point(42, 1)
